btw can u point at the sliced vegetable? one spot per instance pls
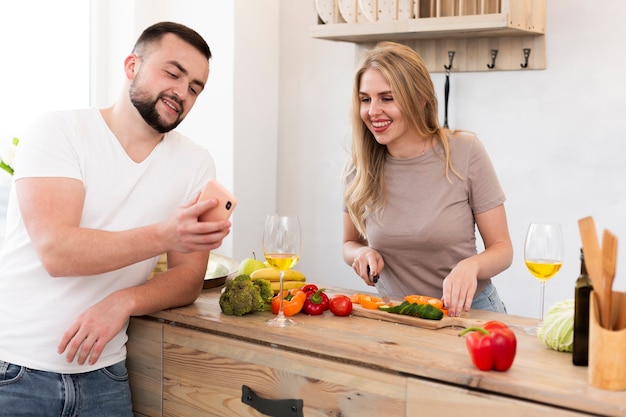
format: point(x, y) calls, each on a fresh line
point(362, 297)
point(423, 299)
point(368, 301)
point(371, 302)
point(355, 299)
point(424, 311)
point(492, 346)
point(293, 301)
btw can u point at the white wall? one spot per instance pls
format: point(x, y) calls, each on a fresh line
point(256, 115)
point(45, 66)
point(555, 137)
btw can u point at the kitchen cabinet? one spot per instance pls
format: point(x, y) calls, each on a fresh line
point(482, 35)
point(195, 361)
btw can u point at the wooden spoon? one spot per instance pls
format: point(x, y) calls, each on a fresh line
point(609, 260)
point(593, 258)
point(621, 318)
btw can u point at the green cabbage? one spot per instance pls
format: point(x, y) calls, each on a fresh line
point(557, 331)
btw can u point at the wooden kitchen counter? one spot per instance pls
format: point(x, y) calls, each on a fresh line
point(194, 361)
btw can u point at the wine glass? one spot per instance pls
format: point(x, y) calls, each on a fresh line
point(543, 254)
point(281, 247)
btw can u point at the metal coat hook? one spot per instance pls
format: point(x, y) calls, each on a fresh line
point(494, 54)
point(526, 55)
point(450, 58)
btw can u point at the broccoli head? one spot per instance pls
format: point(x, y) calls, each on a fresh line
point(240, 296)
point(267, 293)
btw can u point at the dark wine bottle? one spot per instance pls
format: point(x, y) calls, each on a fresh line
point(581, 315)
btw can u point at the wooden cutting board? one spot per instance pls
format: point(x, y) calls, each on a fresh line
point(464, 321)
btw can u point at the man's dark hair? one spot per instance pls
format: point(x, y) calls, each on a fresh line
point(155, 32)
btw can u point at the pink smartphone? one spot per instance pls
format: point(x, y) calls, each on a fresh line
point(226, 202)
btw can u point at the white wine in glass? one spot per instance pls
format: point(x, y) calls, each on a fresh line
point(281, 247)
point(543, 254)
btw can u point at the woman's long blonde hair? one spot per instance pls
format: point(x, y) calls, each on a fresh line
point(414, 94)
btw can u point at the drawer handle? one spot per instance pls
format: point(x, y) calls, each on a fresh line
point(273, 408)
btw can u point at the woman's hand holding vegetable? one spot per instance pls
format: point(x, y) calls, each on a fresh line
point(459, 288)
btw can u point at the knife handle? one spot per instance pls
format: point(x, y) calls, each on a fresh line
point(373, 278)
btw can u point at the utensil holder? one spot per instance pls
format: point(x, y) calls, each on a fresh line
point(607, 356)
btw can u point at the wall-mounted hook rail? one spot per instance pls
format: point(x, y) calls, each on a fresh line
point(494, 54)
point(450, 59)
point(526, 56)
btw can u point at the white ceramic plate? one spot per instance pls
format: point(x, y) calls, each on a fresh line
point(326, 10)
point(220, 266)
point(218, 269)
point(387, 10)
point(350, 10)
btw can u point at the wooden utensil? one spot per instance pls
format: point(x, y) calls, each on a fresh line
point(593, 256)
point(609, 260)
point(621, 311)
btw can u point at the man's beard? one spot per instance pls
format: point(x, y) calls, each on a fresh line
point(147, 109)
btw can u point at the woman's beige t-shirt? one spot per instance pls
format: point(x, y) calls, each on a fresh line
point(428, 225)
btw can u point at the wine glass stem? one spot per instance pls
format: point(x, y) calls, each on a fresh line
point(281, 313)
point(541, 301)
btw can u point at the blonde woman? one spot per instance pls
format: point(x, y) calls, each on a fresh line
point(415, 192)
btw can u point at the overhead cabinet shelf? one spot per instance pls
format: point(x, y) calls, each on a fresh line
point(473, 29)
point(424, 28)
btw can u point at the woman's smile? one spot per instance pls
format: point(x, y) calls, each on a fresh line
point(379, 126)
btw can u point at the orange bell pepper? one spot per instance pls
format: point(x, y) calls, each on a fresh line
point(423, 299)
point(293, 301)
point(371, 302)
point(368, 301)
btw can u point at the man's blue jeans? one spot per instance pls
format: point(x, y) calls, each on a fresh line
point(30, 393)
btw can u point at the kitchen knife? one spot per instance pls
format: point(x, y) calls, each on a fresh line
point(381, 291)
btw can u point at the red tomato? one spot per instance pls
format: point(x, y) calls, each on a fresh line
point(340, 305)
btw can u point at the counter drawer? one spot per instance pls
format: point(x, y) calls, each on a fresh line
point(425, 398)
point(204, 375)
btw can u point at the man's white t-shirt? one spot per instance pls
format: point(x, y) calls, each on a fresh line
point(120, 194)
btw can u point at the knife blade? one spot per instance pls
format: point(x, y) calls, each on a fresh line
point(381, 291)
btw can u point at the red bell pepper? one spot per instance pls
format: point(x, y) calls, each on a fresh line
point(309, 289)
point(492, 346)
point(316, 303)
